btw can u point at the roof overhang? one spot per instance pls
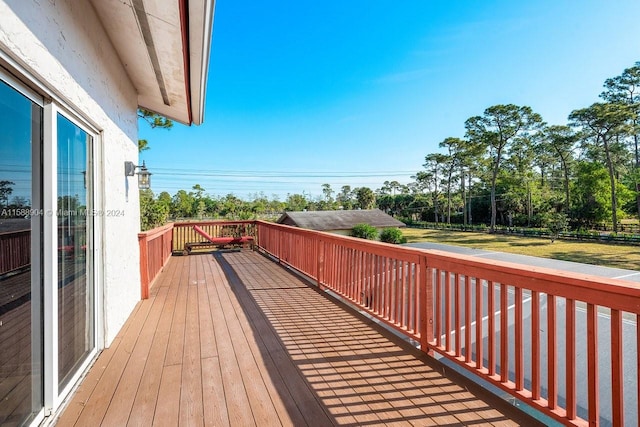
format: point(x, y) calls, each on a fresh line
point(164, 45)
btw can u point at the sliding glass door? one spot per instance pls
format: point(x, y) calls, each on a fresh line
point(47, 274)
point(21, 301)
point(76, 299)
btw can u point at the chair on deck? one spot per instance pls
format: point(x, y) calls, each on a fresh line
point(219, 242)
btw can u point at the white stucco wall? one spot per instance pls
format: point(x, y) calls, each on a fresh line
point(61, 44)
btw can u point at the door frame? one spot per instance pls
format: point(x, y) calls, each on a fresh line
point(45, 254)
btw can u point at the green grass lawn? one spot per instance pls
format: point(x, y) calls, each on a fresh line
point(608, 255)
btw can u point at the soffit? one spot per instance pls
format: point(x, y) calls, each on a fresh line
point(165, 51)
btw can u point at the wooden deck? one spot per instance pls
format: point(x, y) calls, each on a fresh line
point(233, 339)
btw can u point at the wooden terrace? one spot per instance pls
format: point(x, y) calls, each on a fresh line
point(231, 338)
point(234, 338)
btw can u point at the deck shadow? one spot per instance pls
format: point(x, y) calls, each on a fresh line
point(333, 366)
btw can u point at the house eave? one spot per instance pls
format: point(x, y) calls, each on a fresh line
point(164, 46)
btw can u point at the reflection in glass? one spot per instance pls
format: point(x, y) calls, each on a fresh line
point(21, 339)
point(75, 285)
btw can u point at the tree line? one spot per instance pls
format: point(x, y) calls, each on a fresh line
point(197, 204)
point(510, 168)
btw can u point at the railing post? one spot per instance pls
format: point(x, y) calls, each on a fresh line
point(256, 235)
point(592, 365)
point(167, 246)
point(144, 266)
point(426, 308)
point(320, 278)
point(162, 248)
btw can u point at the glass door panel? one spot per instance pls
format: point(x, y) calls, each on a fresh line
point(21, 332)
point(76, 332)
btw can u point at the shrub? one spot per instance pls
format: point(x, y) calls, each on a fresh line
point(364, 231)
point(153, 213)
point(556, 223)
point(392, 235)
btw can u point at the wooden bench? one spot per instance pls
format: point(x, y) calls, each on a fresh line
point(216, 242)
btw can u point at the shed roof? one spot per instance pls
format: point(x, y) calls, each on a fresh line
point(339, 220)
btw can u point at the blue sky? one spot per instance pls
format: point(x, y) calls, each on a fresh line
point(15, 149)
point(359, 92)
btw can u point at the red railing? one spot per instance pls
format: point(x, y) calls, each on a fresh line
point(15, 250)
point(564, 343)
point(524, 329)
point(384, 280)
point(155, 250)
point(520, 328)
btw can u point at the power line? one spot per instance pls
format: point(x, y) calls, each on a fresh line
point(256, 174)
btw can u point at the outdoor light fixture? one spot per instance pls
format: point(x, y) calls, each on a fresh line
point(144, 176)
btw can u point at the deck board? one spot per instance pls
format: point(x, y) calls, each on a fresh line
point(191, 409)
point(234, 339)
point(236, 399)
point(144, 404)
point(127, 390)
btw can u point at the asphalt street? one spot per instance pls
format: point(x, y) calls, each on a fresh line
point(613, 273)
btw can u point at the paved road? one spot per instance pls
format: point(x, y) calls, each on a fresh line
point(629, 332)
point(614, 273)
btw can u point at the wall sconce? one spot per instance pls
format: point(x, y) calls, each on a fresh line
point(144, 176)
